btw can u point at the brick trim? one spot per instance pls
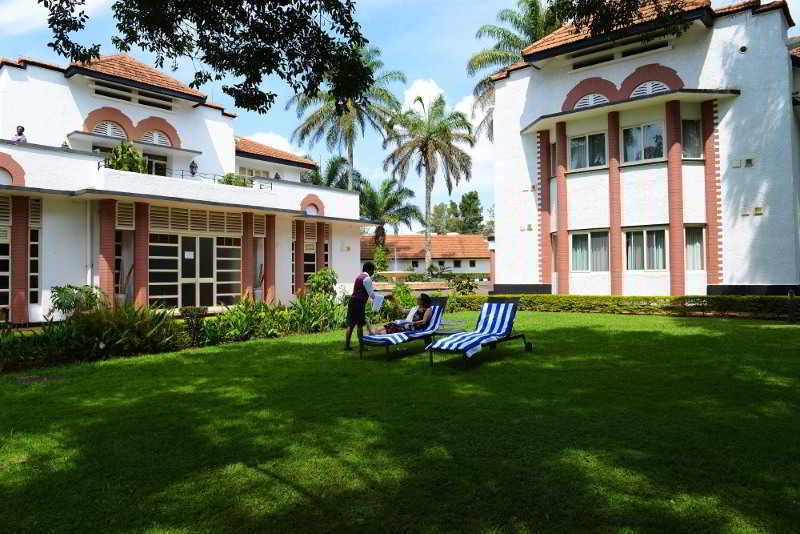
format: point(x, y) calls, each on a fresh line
point(492, 270)
point(108, 113)
point(270, 295)
point(320, 251)
point(10, 165)
point(713, 192)
point(562, 259)
point(312, 200)
point(20, 226)
point(107, 214)
point(543, 198)
point(299, 243)
point(614, 205)
point(141, 255)
point(677, 268)
point(247, 255)
point(587, 87)
point(648, 73)
point(157, 123)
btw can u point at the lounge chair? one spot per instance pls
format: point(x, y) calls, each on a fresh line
point(495, 325)
point(438, 306)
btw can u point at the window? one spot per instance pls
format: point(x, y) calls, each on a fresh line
point(414, 263)
point(472, 263)
point(590, 252)
point(441, 263)
point(695, 253)
point(117, 261)
point(156, 165)
point(110, 129)
point(229, 270)
point(163, 270)
point(643, 142)
point(645, 250)
point(553, 160)
point(5, 271)
point(119, 92)
point(587, 151)
point(691, 139)
point(253, 173)
point(156, 137)
point(649, 88)
point(594, 99)
point(456, 263)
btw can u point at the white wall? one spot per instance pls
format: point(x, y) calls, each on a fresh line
point(287, 172)
point(643, 192)
point(345, 252)
point(481, 265)
point(587, 198)
point(590, 283)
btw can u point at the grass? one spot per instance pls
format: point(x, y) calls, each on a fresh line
point(613, 424)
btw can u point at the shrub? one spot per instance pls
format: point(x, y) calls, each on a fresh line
point(462, 284)
point(244, 320)
point(403, 296)
point(125, 157)
point(418, 277)
point(315, 312)
point(68, 300)
point(236, 179)
point(193, 319)
point(323, 282)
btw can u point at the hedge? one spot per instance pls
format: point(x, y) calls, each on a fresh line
point(725, 305)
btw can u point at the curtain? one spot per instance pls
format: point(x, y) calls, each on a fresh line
point(656, 250)
point(635, 250)
point(599, 251)
point(632, 143)
point(653, 141)
point(577, 153)
point(597, 150)
point(580, 252)
point(694, 249)
point(691, 139)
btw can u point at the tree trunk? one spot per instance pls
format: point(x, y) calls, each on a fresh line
point(428, 189)
point(380, 236)
point(350, 169)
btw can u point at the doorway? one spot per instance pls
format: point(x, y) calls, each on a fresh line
point(197, 271)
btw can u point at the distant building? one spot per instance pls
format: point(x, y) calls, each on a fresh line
point(461, 253)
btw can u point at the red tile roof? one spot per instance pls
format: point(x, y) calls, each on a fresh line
point(459, 246)
point(124, 66)
point(248, 146)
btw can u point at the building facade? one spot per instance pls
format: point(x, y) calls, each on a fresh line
point(178, 234)
point(665, 166)
point(459, 253)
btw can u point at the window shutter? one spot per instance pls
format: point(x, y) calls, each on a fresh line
point(35, 215)
point(126, 219)
point(5, 235)
point(649, 88)
point(5, 210)
point(260, 225)
point(233, 223)
point(593, 99)
point(159, 218)
point(294, 230)
point(111, 129)
point(198, 220)
point(310, 231)
point(216, 222)
point(179, 219)
point(156, 137)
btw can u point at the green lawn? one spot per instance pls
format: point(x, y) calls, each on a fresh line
point(613, 424)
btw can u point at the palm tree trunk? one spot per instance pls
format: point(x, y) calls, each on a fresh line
point(350, 168)
point(428, 189)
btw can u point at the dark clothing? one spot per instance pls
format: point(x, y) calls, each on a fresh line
point(356, 312)
point(394, 328)
point(359, 291)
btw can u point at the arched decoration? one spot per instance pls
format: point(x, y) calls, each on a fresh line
point(593, 99)
point(158, 124)
point(312, 201)
point(590, 86)
point(650, 73)
point(109, 114)
point(8, 164)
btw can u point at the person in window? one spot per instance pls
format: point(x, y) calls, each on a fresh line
point(357, 307)
point(20, 137)
point(418, 319)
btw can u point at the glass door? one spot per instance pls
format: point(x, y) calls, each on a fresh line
point(197, 271)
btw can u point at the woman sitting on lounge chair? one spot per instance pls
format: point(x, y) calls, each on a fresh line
point(420, 319)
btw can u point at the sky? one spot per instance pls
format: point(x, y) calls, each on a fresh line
point(428, 40)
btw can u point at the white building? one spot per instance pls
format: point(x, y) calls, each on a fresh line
point(657, 167)
point(459, 253)
point(173, 236)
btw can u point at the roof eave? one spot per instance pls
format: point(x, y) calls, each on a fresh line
point(274, 159)
point(72, 70)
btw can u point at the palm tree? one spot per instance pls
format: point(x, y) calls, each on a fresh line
point(341, 124)
point(529, 23)
point(389, 204)
point(430, 141)
point(335, 174)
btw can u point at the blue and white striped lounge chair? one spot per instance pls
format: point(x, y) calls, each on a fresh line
point(495, 325)
point(438, 305)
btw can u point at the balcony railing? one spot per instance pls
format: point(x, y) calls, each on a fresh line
point(233, 179)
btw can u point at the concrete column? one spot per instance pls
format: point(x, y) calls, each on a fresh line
point(247, 255)
point(545, 252)
point(320, 246)
point(562, 259)
point(713, 193)
point(615, 205)
point(141, 255)
point(107, 210)
point(299, 243)
point(20, 228)
point(270, 294)
point(677, 269)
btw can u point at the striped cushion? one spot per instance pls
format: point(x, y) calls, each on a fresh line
point(402, 337)
point(494, 323)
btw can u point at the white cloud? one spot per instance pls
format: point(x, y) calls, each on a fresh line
point(427, 89)
point(23, 16)
point(275, 141)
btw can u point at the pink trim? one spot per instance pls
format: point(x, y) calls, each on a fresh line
point(545, 263)
point(562, 258)
point(312, 200)
point(109, 114)
point(157, 123)
point(20, 217)
point(713, 193)
point(649, 73)
point(587, 87)
point(247, 256)
point(107, 210)
point(141, 255)
point(13, 168)
point(491, 270)
point(320, 251)
point(614, 205)
point(677, 269)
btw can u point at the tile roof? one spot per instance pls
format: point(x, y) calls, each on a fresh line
point(569, 34)
point(249, 146)
point(124, 66)
point(458, 246)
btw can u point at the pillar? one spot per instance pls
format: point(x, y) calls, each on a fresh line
point(320, 252)
point(270, 294)
point(677, 270)
point(107, 211)
point(545, 252)
point(614, 205)
point(141, 255)
point(299, 242)
point(562, 235)
point(247, 256)
point(712, 190)
point(20, 227)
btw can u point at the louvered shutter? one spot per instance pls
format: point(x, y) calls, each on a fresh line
point(5, 211)
point(259, 225)
point(593, 99)
point(216, 222)
point(5, 235)
point(649, 88)
point(310, 232)
point(110, 129)
point(179, 219)
point(198, 220)
point(35, 215)
point(156, 137)
point(125, 216)
point(159, 218)
point(233, 223)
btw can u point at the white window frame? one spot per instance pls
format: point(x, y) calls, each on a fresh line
point(588, 167)
point(705, 244)
point(641, 127)
point(644, 230)
point(589, 234)
point(701, 157)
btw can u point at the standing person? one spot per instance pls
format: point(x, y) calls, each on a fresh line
point(20, 137)
point(357, 307)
